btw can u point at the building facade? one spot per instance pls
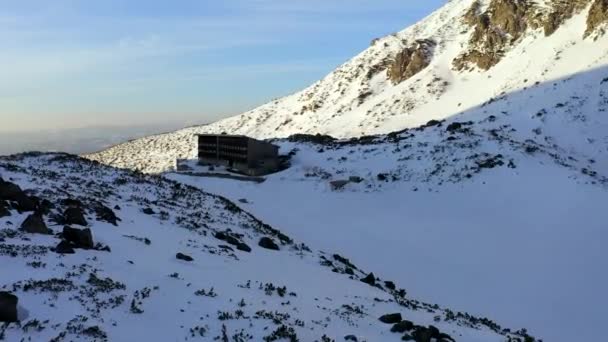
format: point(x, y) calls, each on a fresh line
point(246, 155)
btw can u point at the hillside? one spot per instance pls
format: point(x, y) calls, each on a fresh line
point(469, 58)
point(94, 253)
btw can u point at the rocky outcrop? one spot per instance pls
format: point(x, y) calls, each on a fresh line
point(598, 18)
point(495, 30)
point(561, 10)
point(411, 61)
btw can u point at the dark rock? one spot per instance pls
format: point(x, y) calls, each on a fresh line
point(268, 243)
point(35, 224)
point(391, 318)
point(106, 214)
point(80, 238)
point(148, 211)
point(241, 246)
point(243, 200)
point(407, 337)
point(355, 179)
point(70, 202)
point(350, 338)
point(64, 247)
point(402, 327)
point(117, 207)
point(9, 191)
point(4, 211)
point(390, 285)
point(182, 256)
point(411, 61)
point(74, 215)
point(454, 126)
point(8, 307)
point(370, 279)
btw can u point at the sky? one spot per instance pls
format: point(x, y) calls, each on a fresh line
point(84, 63)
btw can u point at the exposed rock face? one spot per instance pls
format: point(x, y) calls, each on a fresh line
point(8, 307)
point(411, 61)
point(598, 18)
point(496, 29)
point(561, 11)
point(35, 224)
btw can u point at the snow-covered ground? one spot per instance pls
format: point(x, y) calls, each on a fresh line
point(525, 245)
point(131, 286)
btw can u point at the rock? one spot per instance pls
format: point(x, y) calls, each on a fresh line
point(35, 224)
point(370, 279)
point(350, 338)
point(390, 285)
point(355, 179)
point(338, 184)
point(182, 256)
point(454, 126)
point(106, 214)
point(411, 61)
point(241, 246)
point(72, 203)
point(402, 327)
point(8, 307)
point(4, 212)
point(391, 318)
point(268, 243)
point(148, 211)
point(407, 337)
point(243, 200)
point(80, 238)
point(9, 191)
point(74, 215)
point(597, 18)
point(64, 247)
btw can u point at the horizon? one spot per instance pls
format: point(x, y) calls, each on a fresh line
point(77, 65)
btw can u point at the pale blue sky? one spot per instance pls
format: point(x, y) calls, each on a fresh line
point(75, 63)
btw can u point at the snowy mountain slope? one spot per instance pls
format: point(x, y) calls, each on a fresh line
point(433, 70)
point(455, 216)
point(128, 281)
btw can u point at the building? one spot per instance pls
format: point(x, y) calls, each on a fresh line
point(243, 154)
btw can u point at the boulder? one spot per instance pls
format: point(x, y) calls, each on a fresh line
point(391, 318)
point(402, 327)
point(148, 211)
point(106, 214)
point(268, 243)
point(184, 257)
point(8, 307)
point(370, 279)
point(390, 285)
point(35, 224)
point(64, 247)
point(4, 212)
point(351, 338)
point(9, 191)
point(80, 238)
point(241, 246)
point(74, 215)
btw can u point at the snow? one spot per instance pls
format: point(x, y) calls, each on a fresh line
point(140, 291)
point(523, 246)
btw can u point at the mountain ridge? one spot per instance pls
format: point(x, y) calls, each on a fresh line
point(409, 78)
